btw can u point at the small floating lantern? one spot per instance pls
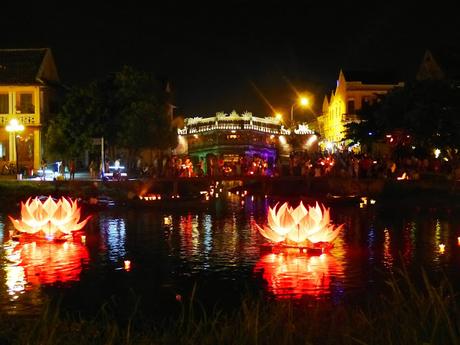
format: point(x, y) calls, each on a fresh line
point(442, 248)
point(127, 265)
point(404, 176)
point(300, 227)
point(49, 219)
point(150, 197)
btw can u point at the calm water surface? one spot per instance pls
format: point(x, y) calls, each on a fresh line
point(155, 258)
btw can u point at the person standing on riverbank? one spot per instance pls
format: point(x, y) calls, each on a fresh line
point(72, 169)
point(62, 170)
point(92, 169)
point(43, 167)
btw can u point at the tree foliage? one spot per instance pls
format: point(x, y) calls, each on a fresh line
point(426, 111)
point(127, 108)
point(70, 132)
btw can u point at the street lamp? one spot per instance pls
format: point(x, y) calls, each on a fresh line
point(303, 102)
point(13, 127)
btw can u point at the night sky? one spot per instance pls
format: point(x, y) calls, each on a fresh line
point(229, 55)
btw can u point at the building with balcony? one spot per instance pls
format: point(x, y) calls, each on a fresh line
point(28, 92)
point(354, 88)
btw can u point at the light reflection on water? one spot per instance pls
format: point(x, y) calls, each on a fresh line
point(209, 242)
point(29, 265)
point(113, 235)
point(46, 262)
point(294, 276)
point(387, 254)
point(224, 244)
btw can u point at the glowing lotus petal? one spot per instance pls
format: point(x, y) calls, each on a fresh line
point(327, 235)
point(299, 225)
point(270, 234)
point(281, 221)
point(299, 212)
point(298, 235)
point(50, 218)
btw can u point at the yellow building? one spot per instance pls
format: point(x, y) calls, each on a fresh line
point(28, 81)
point(352, 91)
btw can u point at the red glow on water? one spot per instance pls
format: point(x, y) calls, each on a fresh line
point(294, 276)
point(51, 262)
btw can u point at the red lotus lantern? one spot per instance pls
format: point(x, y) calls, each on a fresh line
point(50, 219)
point(300, 226)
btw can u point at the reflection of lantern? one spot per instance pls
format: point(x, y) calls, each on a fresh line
point(294, 276)
point(300, 226)
point(50, 219)
point(50, 262)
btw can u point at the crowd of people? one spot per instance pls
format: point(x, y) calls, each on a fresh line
point(175, 166)
point(316, 164)
point(363, 165)
point(302, 163)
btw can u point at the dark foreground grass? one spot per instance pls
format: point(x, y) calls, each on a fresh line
point(407, 315)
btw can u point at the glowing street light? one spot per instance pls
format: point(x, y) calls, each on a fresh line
point(303, 102)
point(437, 152)
point(279, 116)
point(13, 127)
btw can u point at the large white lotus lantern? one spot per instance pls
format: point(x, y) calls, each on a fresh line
point(50, 219)
point(300, 226)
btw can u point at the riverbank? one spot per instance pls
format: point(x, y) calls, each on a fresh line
point(332, 189)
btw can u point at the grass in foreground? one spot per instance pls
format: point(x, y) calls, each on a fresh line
point(407, 315)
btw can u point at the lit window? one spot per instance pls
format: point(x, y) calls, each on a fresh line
point(4, 103)
point(351, 106)
point(24, 103)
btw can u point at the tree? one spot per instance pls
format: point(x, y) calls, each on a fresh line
point(427, 112)
point(365, 131)
point(142, 119)
point(127, 108)
point(70, 132)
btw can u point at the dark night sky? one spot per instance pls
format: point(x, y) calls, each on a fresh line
point(217, 54)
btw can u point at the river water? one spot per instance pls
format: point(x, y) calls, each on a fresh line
point(155, 259)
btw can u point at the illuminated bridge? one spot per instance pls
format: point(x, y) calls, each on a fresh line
point(231, 136)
